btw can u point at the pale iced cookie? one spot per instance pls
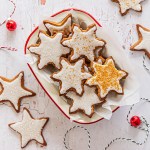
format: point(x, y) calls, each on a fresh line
point(13, 91)
point(83, 42)
point(71, 76)
point(85, 103)
point(30, 129)
point(49, 50)
point(143, 44)
point(106, 78)
point(64, 26)
point(126, 5)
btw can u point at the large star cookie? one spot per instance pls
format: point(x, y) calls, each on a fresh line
point(49, 50)
point(85, 102)
point(143, 44)
point(30, 129)
point(106, 77)
point(71, 76)
point(63, 26)
point(126, 5)
point(13, 91)
point(83, 42)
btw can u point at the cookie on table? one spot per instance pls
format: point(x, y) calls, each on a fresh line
point(30, 129)
point(63, 26)
point(49, 50)
point(143, 44)
point(83, 42)
point(106, 77)
point(126, 5)
point(84, 103)
point(13, 91)
point(71, 76)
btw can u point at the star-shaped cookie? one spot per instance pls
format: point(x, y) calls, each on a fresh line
point(13, 91)
point(30, 129)
point(63, 26)
point(85, 102)
point(49, 50)
point(83, 42)
point(126, 5)
point(106, 77)
point(143, 44)
point(71, 76)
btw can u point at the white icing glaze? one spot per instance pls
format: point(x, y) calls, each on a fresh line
point(85, 101)
point(92, 81)
point(50, 50)
point(71, 76)
point(13, 91)
point(145, 43)
point(66, 25)
point(29, 128)
point(83, 43)
point(130, 4)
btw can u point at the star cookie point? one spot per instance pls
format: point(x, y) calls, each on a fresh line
point(30, 129)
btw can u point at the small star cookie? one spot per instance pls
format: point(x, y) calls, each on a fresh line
point(83, 43)
point(49, 50)
point(30, 129)
point(13, 91)
point(85, 103)
point(106, 77)
point(71, 76)
point(63, 26)
point(126, 5)
point(143, 44)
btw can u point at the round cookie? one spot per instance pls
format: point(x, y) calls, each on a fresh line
point(71, 76)
point(49, 50)
point(83, 43)
point(106, 78)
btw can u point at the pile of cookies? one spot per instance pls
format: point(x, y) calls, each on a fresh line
point(85, 77)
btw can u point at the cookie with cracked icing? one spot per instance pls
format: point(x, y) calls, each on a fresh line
point(30, 129)
point(49, 50)
point(143, 44)
point(13, 91)
point(63, 26)
point(84, 103)
point(71, 76)
point(83, 43)
point(126, 5)
point(106, 77)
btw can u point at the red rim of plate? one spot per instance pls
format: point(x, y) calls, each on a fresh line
point(38, 79)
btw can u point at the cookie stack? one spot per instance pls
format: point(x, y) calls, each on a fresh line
point(84, 75)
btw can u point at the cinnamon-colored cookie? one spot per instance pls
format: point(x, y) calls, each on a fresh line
point(30, 129)
point(106, 77)
point(143, 44)
point(13, 91)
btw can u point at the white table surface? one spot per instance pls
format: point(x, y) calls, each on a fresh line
point(28, 15)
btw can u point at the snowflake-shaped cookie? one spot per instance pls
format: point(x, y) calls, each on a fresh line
point(49, 50)
point(71, 76)
point(83, 42)
point(106, 77)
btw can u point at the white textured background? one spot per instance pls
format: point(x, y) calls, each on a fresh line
point(28, 15)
